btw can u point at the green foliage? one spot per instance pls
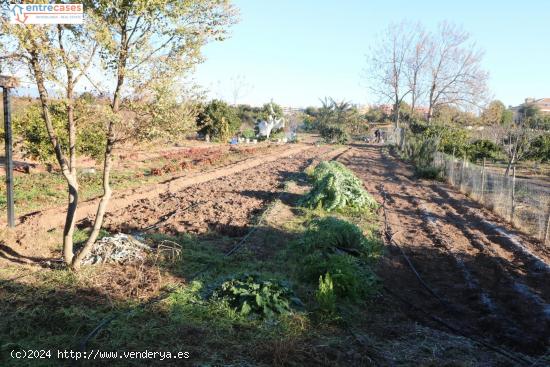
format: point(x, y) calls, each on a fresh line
point(334, 134)
point(448, 115)
point(325, 295)
point(482, 148)
point(331, 234)
point(376, 115)
point(309, 123)
point(420, 150)
point(451, 139)
point(248, 114)
point(249, 294)
point(311, 111)
point(540, 148)
point(335, 187)
point(336, 120)
point(429, 173)
point(351, 279)
point(30, 126)
point(219, 120)
point(338, 247)
point(266, 111)
point(249, 133)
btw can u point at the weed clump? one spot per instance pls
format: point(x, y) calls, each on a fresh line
point(325, 294)
point(249, 294)
point(335, 188)
point(339, 248)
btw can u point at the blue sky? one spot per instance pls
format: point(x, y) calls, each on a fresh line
point(298, 51)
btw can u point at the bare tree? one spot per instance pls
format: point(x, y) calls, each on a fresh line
point(387, 63)
point(518, 142)
point(240, 87)
point(416, 64)
point(455, 74)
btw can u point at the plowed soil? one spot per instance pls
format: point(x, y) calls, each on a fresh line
point(226, 205)
point(476, 273)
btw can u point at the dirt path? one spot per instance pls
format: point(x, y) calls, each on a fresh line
point(487, 279)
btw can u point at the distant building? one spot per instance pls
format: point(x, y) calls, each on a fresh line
point(543, 104)
point(290, 110)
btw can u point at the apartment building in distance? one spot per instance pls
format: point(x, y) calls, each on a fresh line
point(543, 105)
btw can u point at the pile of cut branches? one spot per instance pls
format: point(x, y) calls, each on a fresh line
point(335, 188)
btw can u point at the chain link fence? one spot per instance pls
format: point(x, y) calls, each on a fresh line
point(522, 201)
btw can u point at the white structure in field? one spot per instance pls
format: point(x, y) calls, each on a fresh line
point(265, 127)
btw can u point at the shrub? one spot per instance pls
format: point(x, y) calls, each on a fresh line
point(540, 148)
point(219, 120)
point(266, 111)
point(336, 187)
point(480, 149)
point(430, 173)
point(31, 128)
point(248, 294)
point(334, 134)
point(451, 139)
point(249, 134)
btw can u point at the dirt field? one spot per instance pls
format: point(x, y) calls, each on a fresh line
point(478, 275)
point(452, 272)
point(224, 205)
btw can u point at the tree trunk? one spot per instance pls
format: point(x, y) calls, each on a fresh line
point(102, 206)
point(68, 171)
point(70, 220)
point(104, 201)
point(510, 164)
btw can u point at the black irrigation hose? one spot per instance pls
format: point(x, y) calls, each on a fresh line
point(426, 313)
point(458, 331)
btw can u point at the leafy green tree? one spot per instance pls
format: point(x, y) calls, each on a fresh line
point(142, 44)
point(336, 120)
point(481, 149)
point(507, 117)
point(219, 120)
point(452, 139)
point(36, 143)
point(375, 114)
point(266, 111)
point(540, 148)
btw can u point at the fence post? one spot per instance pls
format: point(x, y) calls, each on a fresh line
point(7, 83)
point(462, 172)
point(452, 178)
point(513, 194)
point(547, 230)
point(482, 181)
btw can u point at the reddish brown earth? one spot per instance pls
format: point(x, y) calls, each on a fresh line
point(484, 285)
point(226, 204)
